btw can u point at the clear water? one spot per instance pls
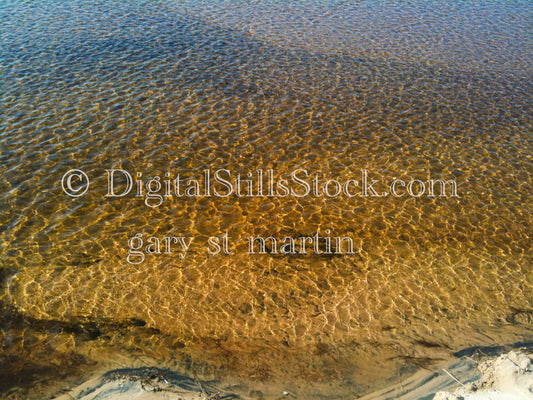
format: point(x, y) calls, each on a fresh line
point(409, 90)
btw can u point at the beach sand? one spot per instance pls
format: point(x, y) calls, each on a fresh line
point(506, 377)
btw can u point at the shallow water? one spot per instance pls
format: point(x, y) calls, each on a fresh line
point(417, 90)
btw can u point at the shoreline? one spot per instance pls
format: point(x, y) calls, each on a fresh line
point(477, 373)
point(506, 377)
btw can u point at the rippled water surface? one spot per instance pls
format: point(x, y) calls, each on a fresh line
point(407, 90)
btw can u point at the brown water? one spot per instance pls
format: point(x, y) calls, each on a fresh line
point(414, 90)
